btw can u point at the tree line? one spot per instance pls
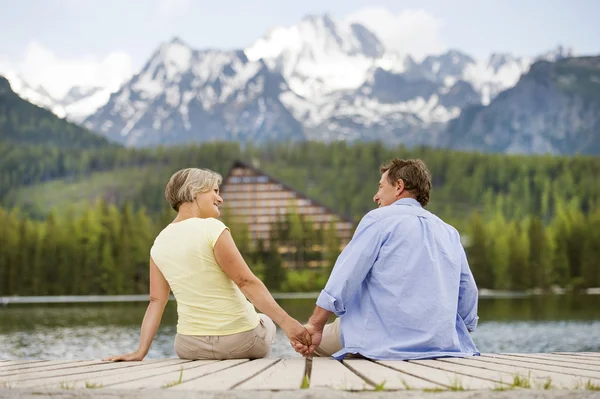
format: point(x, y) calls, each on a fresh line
point(529, 222)
point(105, 250)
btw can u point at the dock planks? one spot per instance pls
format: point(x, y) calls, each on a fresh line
point(509, 371)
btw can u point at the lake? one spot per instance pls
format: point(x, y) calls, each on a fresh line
point(91, 331)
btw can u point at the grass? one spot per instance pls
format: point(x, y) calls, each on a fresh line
point(592, 387)
point(406, 386)
point(380, 387)
point(305, 382)
point(177, 382)
point(433, 390)
point(547, 383)
point(66, 385)
point(456, 385)
point(77, 194)
point(92, 385)
point(521, 382)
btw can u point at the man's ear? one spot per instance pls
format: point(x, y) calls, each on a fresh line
point(399, 187)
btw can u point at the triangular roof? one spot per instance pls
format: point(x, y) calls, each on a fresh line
point(241, 164)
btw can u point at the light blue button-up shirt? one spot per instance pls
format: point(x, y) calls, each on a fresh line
point(403, 287)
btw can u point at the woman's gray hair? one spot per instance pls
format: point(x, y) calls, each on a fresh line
point(186, 183)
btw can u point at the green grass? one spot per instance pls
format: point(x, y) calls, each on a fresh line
point(305, 382)
point(456, 385)
point(592, 387)
point(177, 382)
point(66, 385)
point(59, 195)
point(380, 387)
point(92, 385)
point(521, 382)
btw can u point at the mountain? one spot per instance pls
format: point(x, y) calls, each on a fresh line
point(554, 108)
point(76, 105)
point(319, 55)
point(183, 95)
point(319, 79)
point(24, 123)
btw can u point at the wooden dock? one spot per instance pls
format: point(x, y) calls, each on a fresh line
point(489, 372)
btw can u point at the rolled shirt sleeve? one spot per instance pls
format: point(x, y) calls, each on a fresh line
point(352, 266)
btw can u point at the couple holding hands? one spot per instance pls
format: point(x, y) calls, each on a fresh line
point(401, 289)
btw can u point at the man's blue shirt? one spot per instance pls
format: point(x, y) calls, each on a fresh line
point(403, 287)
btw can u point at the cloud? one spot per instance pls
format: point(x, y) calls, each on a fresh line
point(414, 32)
point(172, 7)
point(40, 66)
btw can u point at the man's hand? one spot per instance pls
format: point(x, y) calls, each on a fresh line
point(128, 357)
point(316, 336)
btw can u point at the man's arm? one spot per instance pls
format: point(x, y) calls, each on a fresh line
point(468, 295)
point(349, 272)
point(352, 266)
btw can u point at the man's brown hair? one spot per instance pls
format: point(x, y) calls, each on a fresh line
point(415, 175)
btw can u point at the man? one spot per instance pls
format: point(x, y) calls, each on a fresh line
point(402, 287)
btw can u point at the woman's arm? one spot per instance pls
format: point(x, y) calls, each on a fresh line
point(231, 261)
point(159, 296)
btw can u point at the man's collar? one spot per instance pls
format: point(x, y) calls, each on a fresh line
point(408, 201)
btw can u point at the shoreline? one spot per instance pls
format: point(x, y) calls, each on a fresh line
point(483, 293)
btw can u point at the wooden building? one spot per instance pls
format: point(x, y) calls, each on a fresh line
point(253, 197)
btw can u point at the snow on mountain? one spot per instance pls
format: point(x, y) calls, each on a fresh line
point(76, 105)
point(319, 79)
point(184, 95)
point(319, 55)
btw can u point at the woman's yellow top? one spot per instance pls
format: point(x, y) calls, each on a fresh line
point(208, 301)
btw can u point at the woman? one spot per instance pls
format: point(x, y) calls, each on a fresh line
point(196, 257)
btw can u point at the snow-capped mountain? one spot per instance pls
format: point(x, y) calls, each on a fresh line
point(554, 109)
point(183, 95)
point(76, 105)
point(318, 55)
point(319, 79)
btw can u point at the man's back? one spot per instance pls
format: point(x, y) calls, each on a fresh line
point(407, 292)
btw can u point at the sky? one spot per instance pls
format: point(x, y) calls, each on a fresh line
point(61, 43)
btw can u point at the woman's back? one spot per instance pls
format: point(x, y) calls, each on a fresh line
point(208, 301)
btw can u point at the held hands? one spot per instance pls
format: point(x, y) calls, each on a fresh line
point(297, 334)
point(128, 357)
point(316, 335)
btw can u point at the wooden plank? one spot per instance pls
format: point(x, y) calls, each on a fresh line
point(582, 357)
point(536, 366)
point(552, 362)
point(586, 354)
point(503, 379)
point(330, 373)
point(557, 380)
point(167, 376)
point(16, 362)
point(51, 370)
point(386, 377)
point(550, 356)
point(28, 367)
point(287, 374)
point(121, 369)
point(227, 378)
point(448, 379)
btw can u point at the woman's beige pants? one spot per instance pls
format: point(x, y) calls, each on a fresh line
point(253, 344)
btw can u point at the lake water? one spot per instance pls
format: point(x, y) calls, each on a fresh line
point(531, 324)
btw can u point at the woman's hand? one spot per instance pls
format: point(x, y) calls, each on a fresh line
point(297, 334)
point(128, 357)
